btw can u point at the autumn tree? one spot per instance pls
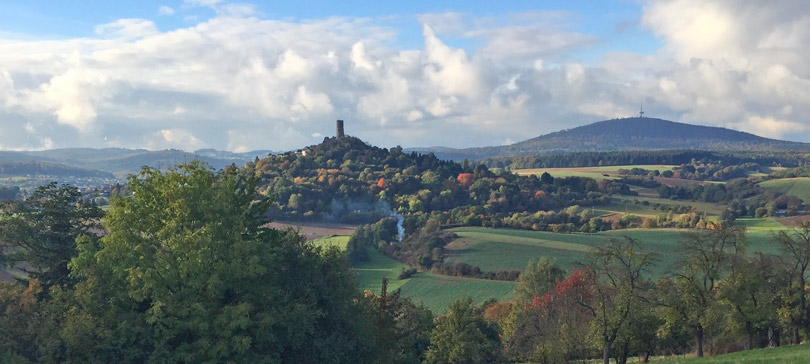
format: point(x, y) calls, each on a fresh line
point(538, 279)
point(553, 327)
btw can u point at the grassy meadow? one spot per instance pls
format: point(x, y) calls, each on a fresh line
point(597, 173)
point(497, 249)
point(794, 354)
point(799, 187)
point(435, 291)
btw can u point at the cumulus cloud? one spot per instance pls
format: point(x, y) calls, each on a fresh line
point(240, 82)
point(165, 10)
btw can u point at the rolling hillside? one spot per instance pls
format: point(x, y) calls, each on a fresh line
point(625, 134)
point(119, 161)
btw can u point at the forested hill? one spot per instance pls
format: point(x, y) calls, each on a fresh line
point(350, 181)
point(627, 134)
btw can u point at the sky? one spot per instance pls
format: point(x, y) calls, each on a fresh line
point(275, 75)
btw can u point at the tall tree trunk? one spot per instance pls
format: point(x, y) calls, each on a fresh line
point(606, 353)
point(699, 341)
point(750, 341)
point(646, 357)
point(796, 335)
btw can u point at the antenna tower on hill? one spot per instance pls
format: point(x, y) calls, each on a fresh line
point(641, 111)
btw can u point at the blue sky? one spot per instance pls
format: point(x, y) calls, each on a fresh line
point(614, 22)
point(275, 75)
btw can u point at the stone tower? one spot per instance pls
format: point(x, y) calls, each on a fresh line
point(339, 132)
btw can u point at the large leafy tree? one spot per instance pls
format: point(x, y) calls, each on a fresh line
point(463, 336)
point(795, 248)
point(188, 273)
point(41, 231)
point(692, 297)
point(619, 291)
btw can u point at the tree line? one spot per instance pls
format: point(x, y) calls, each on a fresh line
point(184, 270)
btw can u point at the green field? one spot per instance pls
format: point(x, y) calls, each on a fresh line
point(799, 187)
point(437, 292)
point(379, 266)
point(497, 249)
point(339, 241)
point(597, 173)
point(794, 354)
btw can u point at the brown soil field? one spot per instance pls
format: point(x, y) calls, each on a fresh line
point(314, 231)
point(793, 221)
point(668, 181)
point(612, 218)
point(459, 244)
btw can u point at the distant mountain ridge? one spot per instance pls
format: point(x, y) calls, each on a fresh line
point(121, 162)
point(625, 134)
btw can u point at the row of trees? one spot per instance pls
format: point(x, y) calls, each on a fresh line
point(647, 157)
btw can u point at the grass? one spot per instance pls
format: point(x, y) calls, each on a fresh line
point(497, 249)
point(794, 354)
point(339, 241)
point(597, 173)
point(437, 292)
point(799, 187)
point(379, 266)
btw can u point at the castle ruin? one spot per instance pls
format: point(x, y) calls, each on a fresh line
point(339, 132)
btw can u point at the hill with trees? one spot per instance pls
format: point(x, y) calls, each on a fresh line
point(626, 134)
point(346, 180)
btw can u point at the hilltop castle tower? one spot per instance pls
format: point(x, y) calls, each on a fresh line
point(339, 129)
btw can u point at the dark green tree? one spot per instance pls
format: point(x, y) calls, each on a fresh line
point(795, 248)
point(188, 273)
point(463, 336)
point(42, 231)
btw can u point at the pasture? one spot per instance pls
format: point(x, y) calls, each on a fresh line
point(597, 173)
point(799, 187)
point(794, 354)
point(437, 292)
point(339, 241)
point(497, 249)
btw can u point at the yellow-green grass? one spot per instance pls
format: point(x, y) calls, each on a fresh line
point(371, 273)
point(794, 354)
point(339, 241)
point(617, 205)
point(437, 292)
point(799, 187)
point(498, 249)
point(649, 167)
point(759, 232)
point(597, 173)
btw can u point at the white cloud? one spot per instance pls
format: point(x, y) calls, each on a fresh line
point(127, 29)
point(165, 10)
point(240, 82)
